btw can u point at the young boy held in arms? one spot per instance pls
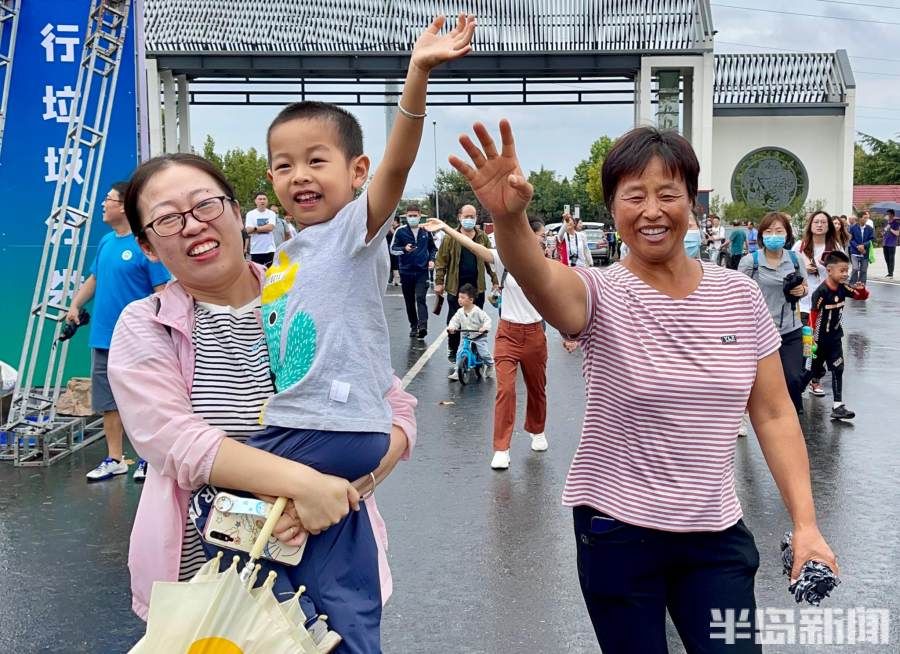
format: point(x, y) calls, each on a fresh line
point(325, 326)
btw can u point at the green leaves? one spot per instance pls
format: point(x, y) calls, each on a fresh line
point(246, 170)
point(876, 161)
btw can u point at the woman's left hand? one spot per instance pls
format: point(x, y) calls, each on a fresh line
point(809, 545)
point(289, 530)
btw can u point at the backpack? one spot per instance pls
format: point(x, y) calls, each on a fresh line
point(755, 254)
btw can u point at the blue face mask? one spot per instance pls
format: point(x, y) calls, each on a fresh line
point(467, 223)
point(412, 222)
point(775, 242)
point(692, 243)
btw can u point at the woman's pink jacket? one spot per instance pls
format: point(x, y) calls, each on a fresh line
point(151, 371)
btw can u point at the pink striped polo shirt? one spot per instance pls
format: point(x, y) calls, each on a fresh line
point(666, 383)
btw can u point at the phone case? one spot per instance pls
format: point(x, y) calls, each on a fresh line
point(238, 531)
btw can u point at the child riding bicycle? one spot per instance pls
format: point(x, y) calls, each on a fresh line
point(470, 318)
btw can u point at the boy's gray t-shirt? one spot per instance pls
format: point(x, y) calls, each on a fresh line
point(323, 315)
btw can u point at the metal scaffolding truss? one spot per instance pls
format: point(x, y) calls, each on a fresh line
point(9, 23)
point(41, 436)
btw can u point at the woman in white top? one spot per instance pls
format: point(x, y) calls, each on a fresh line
point(573, 246)
point(717, 238)
point(819, 236)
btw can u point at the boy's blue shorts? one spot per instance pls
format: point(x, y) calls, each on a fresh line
point(340, 565)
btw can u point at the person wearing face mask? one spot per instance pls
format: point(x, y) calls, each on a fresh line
point(455, 267)
point(782, 280)
point(693, 238)
point(415, 250)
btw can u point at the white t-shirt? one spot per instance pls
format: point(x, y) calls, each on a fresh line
point(813, 281)
point(261, 243)
point(515, 306)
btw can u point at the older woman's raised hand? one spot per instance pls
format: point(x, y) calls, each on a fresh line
point(495, 177)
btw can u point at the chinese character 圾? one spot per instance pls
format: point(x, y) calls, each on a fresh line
point(58, 104)
point(53, 39)
point(55, 166)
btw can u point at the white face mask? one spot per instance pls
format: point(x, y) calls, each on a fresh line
point(413, 221)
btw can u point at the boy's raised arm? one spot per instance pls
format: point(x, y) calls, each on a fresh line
point(431, 50)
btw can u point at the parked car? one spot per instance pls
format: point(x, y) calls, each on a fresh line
point(596, 240)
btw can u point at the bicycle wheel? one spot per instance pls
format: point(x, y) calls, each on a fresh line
point(462, 371)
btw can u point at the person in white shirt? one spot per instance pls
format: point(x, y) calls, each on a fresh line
point(573, 246)
point(260, 225)
point(717, 238)
point(520, 342)
point(471, 318)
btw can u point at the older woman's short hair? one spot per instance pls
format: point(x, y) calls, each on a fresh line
point(149, 168)
point(777, 217)
point(633, 151)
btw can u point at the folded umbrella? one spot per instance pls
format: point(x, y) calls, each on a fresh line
point(816, 579)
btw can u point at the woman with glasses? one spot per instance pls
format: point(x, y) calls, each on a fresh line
point(190, 370)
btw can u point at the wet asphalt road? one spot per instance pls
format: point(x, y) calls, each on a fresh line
point(483, 561)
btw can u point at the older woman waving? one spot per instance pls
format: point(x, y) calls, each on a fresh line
point(190, 369)
point(674, 350)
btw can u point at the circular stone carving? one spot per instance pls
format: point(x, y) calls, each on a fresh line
point(772, 178)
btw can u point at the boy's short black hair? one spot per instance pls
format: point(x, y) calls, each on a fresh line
point(835, 256)
point(890, 212)
point(468, 289)
point(413, 207)
point(349, 132)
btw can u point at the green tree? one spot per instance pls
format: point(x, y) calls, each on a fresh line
point(549, 198)
point(587, 184)
point(876, 161)
point(246, 170)
point(453, 192)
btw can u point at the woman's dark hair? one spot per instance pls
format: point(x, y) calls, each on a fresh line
point(633, 151)
point(891, 212)
point(776, 217)
point(149, 168)
point(831, 236)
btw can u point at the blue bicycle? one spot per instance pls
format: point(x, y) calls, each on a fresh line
point(468, 361)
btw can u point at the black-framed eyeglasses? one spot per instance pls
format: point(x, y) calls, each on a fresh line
point(205, 211)
point(109, 199)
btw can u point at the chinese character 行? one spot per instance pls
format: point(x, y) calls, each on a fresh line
point(54, 38)
point(58, 104)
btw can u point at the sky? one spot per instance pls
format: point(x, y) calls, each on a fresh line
point(559, 137)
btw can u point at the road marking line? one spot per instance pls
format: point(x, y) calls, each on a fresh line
point(418, 365)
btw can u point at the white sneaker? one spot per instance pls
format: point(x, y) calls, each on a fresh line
point(539, 442)
point(140, 473)
point(454, 375)
point(107, 469)
point(500, 460)
point(489, 372)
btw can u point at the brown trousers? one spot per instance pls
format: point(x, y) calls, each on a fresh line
point(526, 346)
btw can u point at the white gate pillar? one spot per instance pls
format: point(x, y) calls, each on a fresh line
point(184, 115)
point(154, 110)
point(170, 112)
